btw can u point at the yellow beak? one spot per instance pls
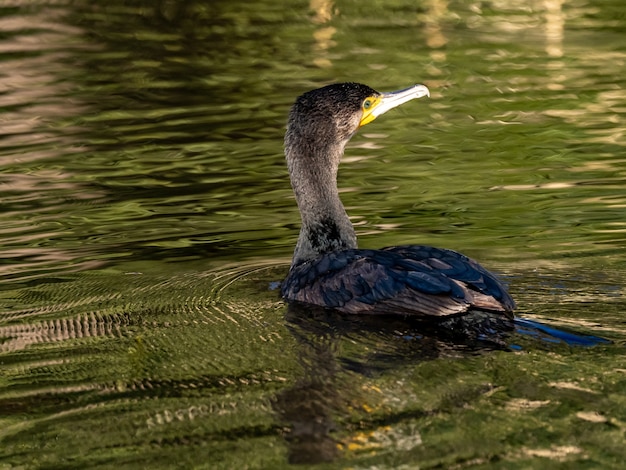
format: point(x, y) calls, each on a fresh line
point(386, 101)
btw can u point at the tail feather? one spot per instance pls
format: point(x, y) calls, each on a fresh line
point(549, 334)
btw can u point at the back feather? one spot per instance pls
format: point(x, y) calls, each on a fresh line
point(403, 280)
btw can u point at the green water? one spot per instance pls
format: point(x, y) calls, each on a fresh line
point(146, 212)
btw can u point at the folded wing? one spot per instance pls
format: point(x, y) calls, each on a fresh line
point(404, 280)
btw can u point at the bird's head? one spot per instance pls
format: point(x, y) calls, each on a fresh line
point(332, 114)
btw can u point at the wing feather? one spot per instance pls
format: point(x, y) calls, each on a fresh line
point(406, 280)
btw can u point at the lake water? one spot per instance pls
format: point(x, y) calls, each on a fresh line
point(147, 217)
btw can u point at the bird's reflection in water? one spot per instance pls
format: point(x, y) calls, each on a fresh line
point(313, 409)
point(307, 408)
point(333, 347)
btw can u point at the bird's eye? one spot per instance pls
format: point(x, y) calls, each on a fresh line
point(367, 104)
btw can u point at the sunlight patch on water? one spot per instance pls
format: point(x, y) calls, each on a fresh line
point(557, 453)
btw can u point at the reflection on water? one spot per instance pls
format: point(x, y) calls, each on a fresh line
point(32, 99)
point(146, 209)
point(323, 36)
point(321, 411)
point(307, 407)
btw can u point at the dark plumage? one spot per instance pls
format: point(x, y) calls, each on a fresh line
point(327, 268)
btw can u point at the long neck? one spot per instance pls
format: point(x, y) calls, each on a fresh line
point(325, 223)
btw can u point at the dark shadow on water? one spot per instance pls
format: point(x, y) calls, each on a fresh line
point(309, 409)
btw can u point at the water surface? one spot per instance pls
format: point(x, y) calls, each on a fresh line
point(146, 215)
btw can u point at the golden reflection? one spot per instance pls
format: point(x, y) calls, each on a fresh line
point(435, 38)
point(323, 13)
point(527, 187)
point(554, 32)
point(555, 22)
point(323, 10)
point(323, 42)
point(592, 416)
point(557, 453)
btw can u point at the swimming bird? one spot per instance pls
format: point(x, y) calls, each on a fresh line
point(328, 269)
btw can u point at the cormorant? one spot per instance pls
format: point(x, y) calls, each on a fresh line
point(328, 269)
